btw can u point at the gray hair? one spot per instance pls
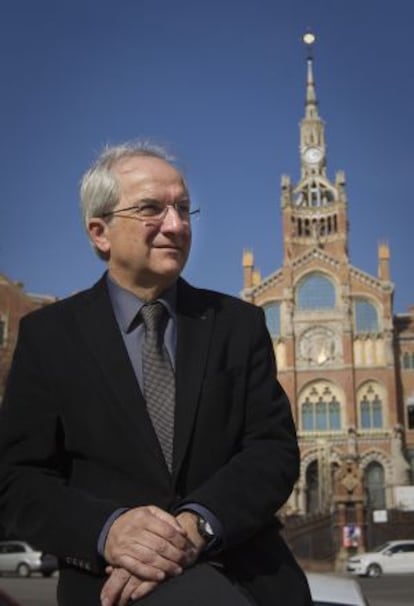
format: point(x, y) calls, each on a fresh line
point(99, 189)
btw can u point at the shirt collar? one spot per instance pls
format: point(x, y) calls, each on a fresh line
point(126, 305)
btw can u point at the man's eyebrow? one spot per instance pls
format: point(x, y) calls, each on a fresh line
point(146, 200)
point(157, 201)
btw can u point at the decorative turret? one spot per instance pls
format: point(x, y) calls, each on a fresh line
point(248, 268)
point(384, 262)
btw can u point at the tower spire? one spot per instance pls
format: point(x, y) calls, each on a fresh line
point(311, 100)
point(312, 135)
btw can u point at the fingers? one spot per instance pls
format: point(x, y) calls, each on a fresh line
point(157, 569)
point(149, 543)
point(143, 589)
point(120, 587)
point(114, 586)
point(166, 517)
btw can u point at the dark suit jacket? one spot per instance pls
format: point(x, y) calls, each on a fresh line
point(76, 441)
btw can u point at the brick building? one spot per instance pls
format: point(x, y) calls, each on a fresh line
point(346, 362)
point(14, 303)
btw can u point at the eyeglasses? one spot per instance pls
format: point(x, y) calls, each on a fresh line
point(153, 211)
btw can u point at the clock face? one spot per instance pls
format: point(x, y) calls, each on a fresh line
point(318, 346)
point(313, 155)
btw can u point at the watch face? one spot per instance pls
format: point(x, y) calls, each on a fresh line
point(313, 155)
point(205, 529)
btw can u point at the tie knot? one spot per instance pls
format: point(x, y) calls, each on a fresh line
point(152, 314)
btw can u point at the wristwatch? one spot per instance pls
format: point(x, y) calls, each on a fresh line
point(206, 531)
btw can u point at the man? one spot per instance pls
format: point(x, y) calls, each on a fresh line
point(165, 497)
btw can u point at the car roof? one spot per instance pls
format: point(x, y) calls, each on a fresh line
point(335, 589)
point(389, 544)
point(400, 542)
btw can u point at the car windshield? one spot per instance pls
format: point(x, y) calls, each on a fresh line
point(381, 547)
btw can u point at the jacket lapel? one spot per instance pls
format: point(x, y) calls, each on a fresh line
point(101, 332)
point(194, 328)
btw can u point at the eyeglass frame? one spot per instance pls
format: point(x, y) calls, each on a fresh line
point(157, 218)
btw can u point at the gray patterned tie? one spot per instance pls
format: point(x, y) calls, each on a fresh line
point(158, 375)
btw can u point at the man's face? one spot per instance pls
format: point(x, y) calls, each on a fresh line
point(146, 254)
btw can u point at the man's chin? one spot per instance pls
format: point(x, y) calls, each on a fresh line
point(170, 270)
point(172, 260)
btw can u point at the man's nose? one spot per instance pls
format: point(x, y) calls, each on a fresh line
point(172, 219)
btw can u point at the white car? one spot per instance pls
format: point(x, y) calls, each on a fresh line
point(391, 557)
point(20, 558)
point(331, 590)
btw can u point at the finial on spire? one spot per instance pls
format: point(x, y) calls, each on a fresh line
point(309, 39)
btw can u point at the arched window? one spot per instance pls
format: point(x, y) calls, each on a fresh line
point(410, 457)
point(410, 412)
point(371, 413)
point(3, 332)
point(408, 360)
point(365, 316)
point(272, 315)
point(307, 415)
point(316, 291)
point(374, 484)
point(320, 410)
point(370, 408)
point(312, 488)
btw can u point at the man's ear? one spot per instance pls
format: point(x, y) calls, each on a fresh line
point(98, 233)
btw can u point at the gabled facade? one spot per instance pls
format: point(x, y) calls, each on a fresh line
point(336, 341)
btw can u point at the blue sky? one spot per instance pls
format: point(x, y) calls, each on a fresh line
point(222, 83)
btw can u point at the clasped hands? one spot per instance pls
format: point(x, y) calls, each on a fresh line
point(144, 547)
